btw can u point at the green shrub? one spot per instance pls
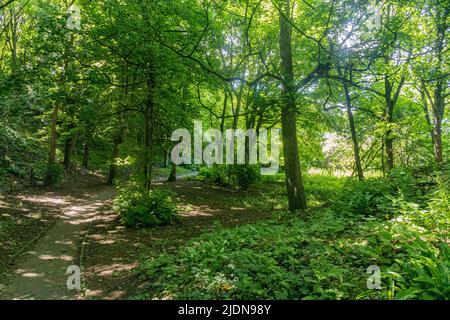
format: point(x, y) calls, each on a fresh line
point(238, 177)
point(242, 176)
point(20, 154)
point(403, 180)
point(54, 174)
point(367, 197)
point(139, 207)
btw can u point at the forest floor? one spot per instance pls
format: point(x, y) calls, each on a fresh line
point(77, 226)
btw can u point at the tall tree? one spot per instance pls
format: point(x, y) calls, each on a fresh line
point(294, 180)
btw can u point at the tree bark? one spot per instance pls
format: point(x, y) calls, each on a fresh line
point(68, 146)
point(389, 141)
point(351, 120)
point(53, 133)
point(426, 109)
point(148, 133)
point(358, 165)
point(294, 181)
point(391, 99)
point(68, 150)
point(438, 113)
point(118, 140)
point(52, 151)
point(173, 173)
point(439, 91)
point(86, 152)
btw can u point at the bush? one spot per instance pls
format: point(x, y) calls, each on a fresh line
point(367, 197)
point(139, 207)
point(54, 174)
point(238, 177)
point(403, 180)
point(20, 155)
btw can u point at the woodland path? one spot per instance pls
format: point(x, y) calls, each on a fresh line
point(41, 271)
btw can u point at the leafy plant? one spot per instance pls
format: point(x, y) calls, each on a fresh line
point(321, 255)
point(139, 207)
point(54, 173)
point(238, 177)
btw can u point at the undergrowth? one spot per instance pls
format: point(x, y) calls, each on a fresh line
point(324, 253)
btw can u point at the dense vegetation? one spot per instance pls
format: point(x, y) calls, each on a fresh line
point(359, 89)
point(325, 253)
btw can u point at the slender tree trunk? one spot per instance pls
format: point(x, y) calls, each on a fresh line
point(147, 167)
point(438, 112)
point(224, 110)
point(118, 140)
point(52, 154)
point(68, 150)
point(68, 146)
point(426, 111)
point(439, 91)
point(148, 132)
point(348, 100)
point(173, 173)
point(86, 151)
point(294, 181)
point(356, 150)
point(53, 134)
point(52, 151)
point(389, 141)
point(14, 26)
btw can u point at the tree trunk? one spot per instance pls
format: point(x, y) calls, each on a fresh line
point(438, 112)
point(15, 30)
point(86, 151)
point(118, 140)
point(148, 132)
point(351, 120)
point(52, 152)
point(68, 145)
point(348, 100)
point(439, 91)
point(423, 94)
point(68, 149)
point(389, 141)
point(294, 181)
point(166, 159)
point(173, 173)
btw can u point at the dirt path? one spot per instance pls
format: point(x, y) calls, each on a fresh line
point(41, 272)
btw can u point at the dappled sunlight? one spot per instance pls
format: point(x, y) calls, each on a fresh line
point(43, 272)
point(93, 293)
point(50, 257)
point(199, 212)
point(32, 275)
point(110, 270)
point(116, 295)
point(49, 199)
point(106, 241)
